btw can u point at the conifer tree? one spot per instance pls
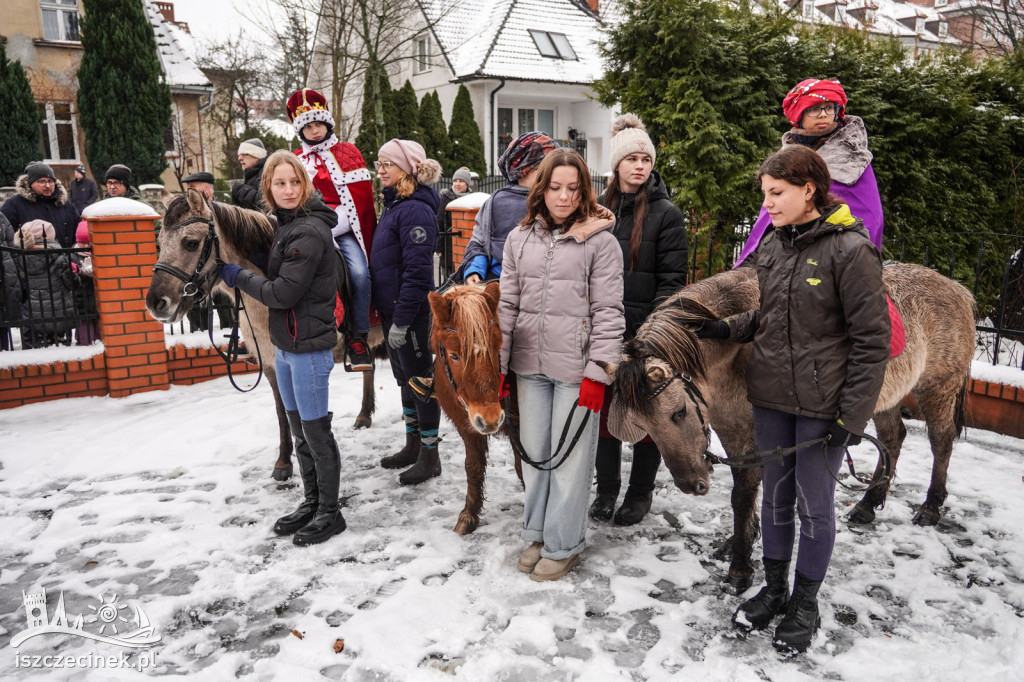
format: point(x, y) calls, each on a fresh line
point(435, 136)
point(19, 132)
point(467, 145)
point(124, 102)
point(407, 114)
point(367, 141)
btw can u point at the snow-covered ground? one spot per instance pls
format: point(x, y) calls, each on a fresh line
point(165, 500)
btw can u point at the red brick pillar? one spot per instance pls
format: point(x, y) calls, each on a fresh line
point(124, 252)
point(463, 220)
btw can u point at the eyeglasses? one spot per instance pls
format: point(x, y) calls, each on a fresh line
point(47, 182)
point(113, 183)
point(383, 165)
point(827, 109)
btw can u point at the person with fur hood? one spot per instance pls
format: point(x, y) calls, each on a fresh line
point(40, 195)
point(816, 109)
point(402, 271)
point(10, 285)
point(339, 173)
point(561, 318)
point(48, 282)
point(649, 229)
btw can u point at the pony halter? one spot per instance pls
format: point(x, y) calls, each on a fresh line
point(194, 284)
point(698, 399)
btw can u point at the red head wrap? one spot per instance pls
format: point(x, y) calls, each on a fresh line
point(809, 93)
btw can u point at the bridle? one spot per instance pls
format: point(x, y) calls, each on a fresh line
point(197, 283)
point(443, 352)
point(777, 454)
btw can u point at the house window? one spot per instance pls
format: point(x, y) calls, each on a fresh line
point(919, 26)
point(987, 33)
point(554, 45)
point(870, 16)
point(840, 13)
point(941, 3)
point(808, 8)
point(943, 29)
point(423, 54)
point(59, 137)
point(60, 19)
point(526, 120)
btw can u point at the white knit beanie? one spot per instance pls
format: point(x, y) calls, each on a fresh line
point(629, 136)
point(253, 147)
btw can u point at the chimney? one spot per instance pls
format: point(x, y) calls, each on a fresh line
point(167, 9)
point(594, 6)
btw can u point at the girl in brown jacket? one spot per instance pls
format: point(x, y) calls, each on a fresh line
point(561, 314)
point(821, 344)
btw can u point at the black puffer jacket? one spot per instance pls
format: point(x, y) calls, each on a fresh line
point(661, 263)
point(247, 193)
point(48, 283)
point(56, 209)
point(821, 334)
point(302, 280)
point(10, 282)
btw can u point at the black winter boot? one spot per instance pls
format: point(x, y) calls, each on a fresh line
point(328, 520)
point(407, 456)
point(427, 466)
point(758, 611)
point(609, 452)
point(640, 492)
point(286, 525)
point(797, 628)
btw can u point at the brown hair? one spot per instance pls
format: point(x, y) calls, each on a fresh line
point(799, 165)
point(279, 157)
point(535, 206)
point(612, 196)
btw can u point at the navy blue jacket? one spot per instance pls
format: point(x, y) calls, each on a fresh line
point(402, 257)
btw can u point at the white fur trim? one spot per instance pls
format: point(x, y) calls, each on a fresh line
point(340, 179)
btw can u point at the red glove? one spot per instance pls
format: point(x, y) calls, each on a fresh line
point(591, 395)
point(504, 388)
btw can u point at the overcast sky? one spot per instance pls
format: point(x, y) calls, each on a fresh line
point(211, 20)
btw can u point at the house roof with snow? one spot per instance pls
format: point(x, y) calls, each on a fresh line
point(531, 40)
point(174, 47)
point(883, 17)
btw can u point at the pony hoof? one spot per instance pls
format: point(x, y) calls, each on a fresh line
point(466, 524)
point(282, 473)
point(362, 422)
point(861, 515)
point(738, 583)
point(927, 516)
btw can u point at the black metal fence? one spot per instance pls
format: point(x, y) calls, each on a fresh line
point(47, 297)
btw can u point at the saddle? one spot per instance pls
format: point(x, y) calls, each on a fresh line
point(898, 337)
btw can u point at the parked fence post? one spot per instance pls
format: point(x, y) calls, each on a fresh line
point(124, 252)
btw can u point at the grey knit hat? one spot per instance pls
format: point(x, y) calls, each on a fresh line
point(38, 170)
point(463, 174)
point(253, 147)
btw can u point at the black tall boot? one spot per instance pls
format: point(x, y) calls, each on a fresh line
point(797, 628)
point(328, 520)
point(758, 611)
point(407, 456)
point(427, 466)
point(608, 462)
point(640, 492)
point(286, 525)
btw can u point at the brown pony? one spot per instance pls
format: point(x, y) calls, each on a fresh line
point(188, 225)
point(466, 341)
point(938, 317)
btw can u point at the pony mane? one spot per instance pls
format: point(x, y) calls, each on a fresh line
point(669, 333)
point(247, 231)
point(472, 317)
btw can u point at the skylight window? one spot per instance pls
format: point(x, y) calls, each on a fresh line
point(555, 45)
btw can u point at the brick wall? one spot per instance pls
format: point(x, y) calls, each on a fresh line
point(995, 407)
point(135, 356)
point(463, 220)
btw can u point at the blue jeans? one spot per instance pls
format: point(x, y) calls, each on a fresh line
point(555, 509)
point(303, 380)
point(802, 482)
point(359, 275)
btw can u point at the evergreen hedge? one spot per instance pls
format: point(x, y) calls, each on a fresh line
point(19, 133)
point(464, 133)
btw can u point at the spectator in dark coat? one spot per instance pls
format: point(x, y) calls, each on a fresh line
point(402, 273)
point(41, 196)
point(10, 285)
point(252, 155)
point(119, 183)
point(460, 188)
point(83, 190)
point(49, 284)
point(650, 231)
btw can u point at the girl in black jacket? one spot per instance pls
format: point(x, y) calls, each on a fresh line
point(300, 290)
point(650, 230)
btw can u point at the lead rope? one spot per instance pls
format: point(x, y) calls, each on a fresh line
point(231, 356)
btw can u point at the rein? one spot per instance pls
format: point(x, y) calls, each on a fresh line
point(776, 455)
point(196, 285)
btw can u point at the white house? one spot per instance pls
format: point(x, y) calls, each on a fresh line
point(528, 65)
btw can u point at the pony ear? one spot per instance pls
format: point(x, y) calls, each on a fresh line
point(441, 307)
point(492, 292)
point(197, 202)
point(610, 368)
point(621, 426)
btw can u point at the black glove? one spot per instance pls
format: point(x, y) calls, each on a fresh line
point(839, 437)
point(713, 329)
